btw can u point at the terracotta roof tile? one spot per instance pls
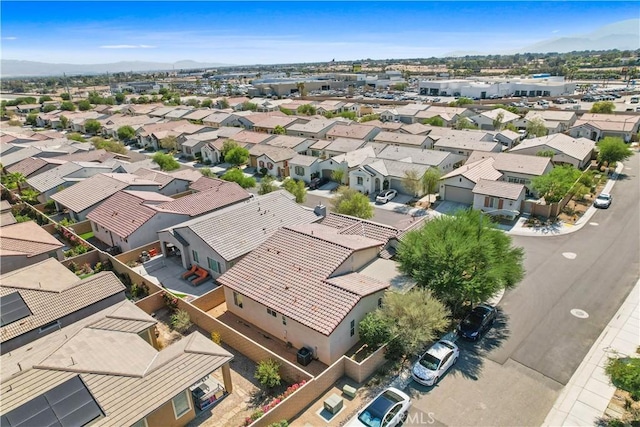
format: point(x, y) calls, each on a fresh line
point(26, 238)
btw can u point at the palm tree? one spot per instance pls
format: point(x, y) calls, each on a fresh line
point(29, 195)
point(17, 178)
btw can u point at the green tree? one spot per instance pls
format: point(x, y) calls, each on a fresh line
point(29, 195)
point(126, 133)
point(430, 181)
point(207, 103)
point(509, 108)
point(369, 117)
point(120, 97)
point(16, 178)
point(236, 175)
point(416, 318)
point(224, 103)
point(536, 128)
point(75, 136)
point(207, 172)
point(268, 373)
point(462, 259)
point(412, 182)
point(434, 121)
point(279, 130)
point(249, 106)
point(286, 111)
point(31, 119)
point(84, 105)
point(169, 142)
point(510, 126)
point(546, 153)
point(92, 126)
point(48, 108)
point(307, 110)
point(400, 86)
point(375, 329)
point(108, 145)
point(68, 106)
point(166, 161)
point(460, 102)
point(295, 187)
point(44, 98)
point(612, 150)
point(603, 107)
point(464, 123)
point(497, 122)
point(267, 185)
point(555, 185)
point(337, 175)
point(226, 146)
point(348, 201)
point(237, 156)
point(65, 96)
point(64, 121)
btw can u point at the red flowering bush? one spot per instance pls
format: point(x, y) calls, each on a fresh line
point(275, 402)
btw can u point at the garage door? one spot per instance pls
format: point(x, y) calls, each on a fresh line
point(458, 195)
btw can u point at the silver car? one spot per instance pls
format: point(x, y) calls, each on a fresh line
point(389, 409)
point(385, 196)
point(435, 362)
point(603, 201)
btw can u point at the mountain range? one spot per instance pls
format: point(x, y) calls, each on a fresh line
point(622, 35)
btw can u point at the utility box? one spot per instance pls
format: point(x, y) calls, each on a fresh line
point(304, 356)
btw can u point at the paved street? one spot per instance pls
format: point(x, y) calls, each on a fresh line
point(514, 376)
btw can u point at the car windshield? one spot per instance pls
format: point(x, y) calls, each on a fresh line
point(604, 197)
point(430, 362)
point(472, 320)
point(374, 413)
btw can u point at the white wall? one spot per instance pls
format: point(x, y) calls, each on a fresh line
point(308, 170)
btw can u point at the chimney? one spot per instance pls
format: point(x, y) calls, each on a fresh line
point(320, 210)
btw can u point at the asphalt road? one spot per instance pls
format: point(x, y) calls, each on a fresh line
point(514, 375)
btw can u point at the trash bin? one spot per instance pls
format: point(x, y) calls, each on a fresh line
point(304, 356)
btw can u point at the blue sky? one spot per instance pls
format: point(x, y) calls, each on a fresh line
point(265, 32)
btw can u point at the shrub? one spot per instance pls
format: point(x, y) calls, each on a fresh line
point(170, 301)
point(268, 373)
point(625, 374)
point(216, 338)
point(73, 267)
point(180, 321)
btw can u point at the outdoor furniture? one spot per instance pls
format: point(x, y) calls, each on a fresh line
point(333, 403)
point(153, 252)
point(201, 276)
point(190, 272)
point(347, 390)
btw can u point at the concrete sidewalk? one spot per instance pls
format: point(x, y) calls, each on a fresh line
point(587, 394)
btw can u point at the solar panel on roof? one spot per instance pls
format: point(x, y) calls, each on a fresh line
point(69, 404)
point(12, 308)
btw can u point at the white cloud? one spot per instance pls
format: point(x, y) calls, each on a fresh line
point(127, 46)
point(9, 38)
point(555, 31)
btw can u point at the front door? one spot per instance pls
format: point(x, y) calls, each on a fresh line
point(377, 185)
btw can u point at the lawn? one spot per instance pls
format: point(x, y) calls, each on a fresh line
point(87, 236)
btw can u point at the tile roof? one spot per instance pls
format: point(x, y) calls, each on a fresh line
point(303, 160)
point(416, 129)
point(88, 156)
point(27, 166)
point(355, 131)
point(467, 140)
point(277, 154)
point(127, 385)
point(357, 283)
point(552, 115)
point(320, 144)
point(286, 141)
point(7, 218)
point(97, 188)
point(507, 116)
point(400, 138)
point(53, 177)
point(514, 162)
point(125, 211)
point(261, 217)
point(610, 122)
point(578, 148)
point(414, 155)
point(202, 202)
point(48, 306)
point(26, 239)
point(349, 225)
point(501, 189)
point(343, 145)
point(312, 126)
point(19, 155)
point(482, 169)
point(251, 137)
point(270, 122)
point(188, 174)
point(289, 273)
point(355, 157)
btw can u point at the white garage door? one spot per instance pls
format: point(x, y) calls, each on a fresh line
point(458, 195)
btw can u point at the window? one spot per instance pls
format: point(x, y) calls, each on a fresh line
point(49, 326)
point(237, 299)
point(299, 170)
point(360, 180)
point(518, 180)
point(379, 302)
point(284, 320)
point(140, 423)
point(181, 404)
point(195, 256)
point(214, 265)
point(271, 312)
point(353, 327)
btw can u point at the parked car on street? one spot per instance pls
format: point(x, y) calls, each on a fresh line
point(435, 362)
point(603, 200)
point(477, 322)
point(385, 196)
point(389, 409)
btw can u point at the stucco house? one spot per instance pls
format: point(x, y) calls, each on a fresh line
point(216, 241)
point(336, 147)
point(314, 129)
point(345, 162)
point(554, 121)
point(499, 198)
point(567, 150)
point(275, 160)
point(464, 142)
point(485, 120)
point(352, 131)
point(598, 126)
point(60, 177)
point(308, 291)
point(304, 168)
point(25, 243)
point(403, 139)
point(299, 144)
